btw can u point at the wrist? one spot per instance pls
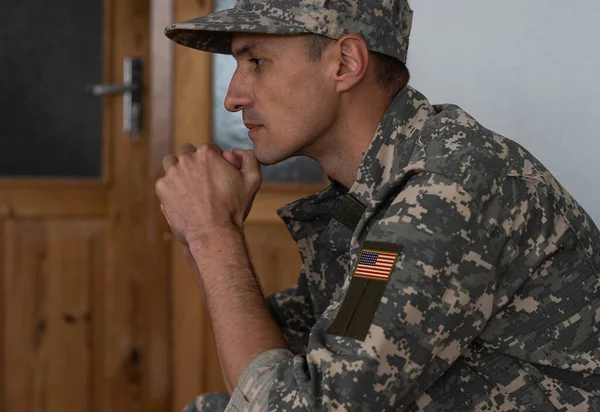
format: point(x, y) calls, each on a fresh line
point(222, 252)
point(210, 236)
point(215, 241)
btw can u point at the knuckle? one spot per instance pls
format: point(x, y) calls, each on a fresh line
point(172, 169)
point(187, 149)
point(184, 159)
point(213, 148)
point(158, 186)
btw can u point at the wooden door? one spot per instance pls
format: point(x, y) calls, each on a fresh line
point(85, 312)
point(274, 254)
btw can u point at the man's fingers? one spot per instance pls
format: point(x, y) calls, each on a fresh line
point(214, 147)
point(234, 159)
point(187, 148)
point(169, 161)
point(250, 167)
point(250, 163)
point(251, 174)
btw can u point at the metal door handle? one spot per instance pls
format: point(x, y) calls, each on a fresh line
point(132, 90)
point(104, 89)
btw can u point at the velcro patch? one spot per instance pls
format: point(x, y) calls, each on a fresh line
point(371, 274)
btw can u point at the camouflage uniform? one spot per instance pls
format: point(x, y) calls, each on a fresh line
point(491, 302)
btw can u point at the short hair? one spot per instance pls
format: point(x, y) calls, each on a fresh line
point(392, 75)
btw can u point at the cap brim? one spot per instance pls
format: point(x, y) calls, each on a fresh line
point(213, 32)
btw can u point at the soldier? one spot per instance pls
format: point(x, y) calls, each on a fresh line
point(444, 269)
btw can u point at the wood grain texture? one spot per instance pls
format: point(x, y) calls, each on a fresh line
point(107, 101)
point(189, 341)
point(135, 369)
point(2, 319)
point(274, 255)
point(34, 199)
point(49, 268)
point(192, 117)
point(86, 315)
point(158, 366)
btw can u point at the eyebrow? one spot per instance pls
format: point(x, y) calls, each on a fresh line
point(246, 48)
point(243, 49)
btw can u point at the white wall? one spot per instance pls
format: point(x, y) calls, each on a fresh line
point(529, 70)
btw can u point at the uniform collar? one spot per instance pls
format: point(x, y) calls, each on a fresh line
point(311, 214)
point(392, 145)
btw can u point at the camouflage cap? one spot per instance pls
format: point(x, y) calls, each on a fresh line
point(384, 24)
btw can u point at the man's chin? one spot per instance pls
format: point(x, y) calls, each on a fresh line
point(266, 161)
point(269, 159)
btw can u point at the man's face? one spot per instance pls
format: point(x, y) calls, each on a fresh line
point(288, 102)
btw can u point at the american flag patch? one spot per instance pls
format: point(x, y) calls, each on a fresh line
point(374, 264)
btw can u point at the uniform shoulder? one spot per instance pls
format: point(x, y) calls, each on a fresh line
point(456, 145)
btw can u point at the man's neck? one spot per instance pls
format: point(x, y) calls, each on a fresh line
point(344, 149)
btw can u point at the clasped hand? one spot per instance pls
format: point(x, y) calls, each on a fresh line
point(206, 190)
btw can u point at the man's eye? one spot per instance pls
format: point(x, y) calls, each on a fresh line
point(257, 62)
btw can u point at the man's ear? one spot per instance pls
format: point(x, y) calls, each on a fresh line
point(352, 61)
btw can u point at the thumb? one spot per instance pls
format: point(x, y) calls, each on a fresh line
point(251, 175)
point(250, 168)
point(234, 159)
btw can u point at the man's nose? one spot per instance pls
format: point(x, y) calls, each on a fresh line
point(238, 95)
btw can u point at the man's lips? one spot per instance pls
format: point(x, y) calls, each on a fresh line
point(252, 126)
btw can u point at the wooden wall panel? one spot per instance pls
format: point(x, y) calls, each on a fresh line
point(274, 255)
point(34, 199)
point(2, 321)
point(135, 373)
point(158, 295)
point(49, 268)
point(187, 329)
point(192, 117)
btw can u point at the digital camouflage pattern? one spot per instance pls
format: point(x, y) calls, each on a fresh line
point(385, 25)
point(208, 402)
point(494, 301)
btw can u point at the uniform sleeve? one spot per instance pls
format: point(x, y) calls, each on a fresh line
point(293, 312)
point(438, 298)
